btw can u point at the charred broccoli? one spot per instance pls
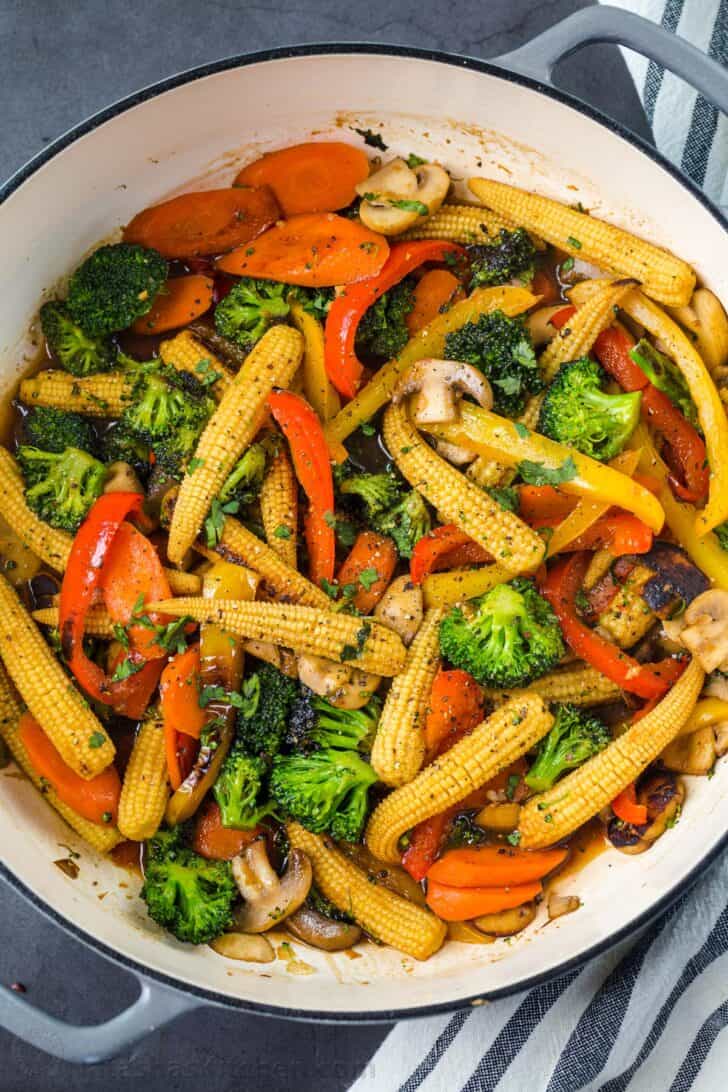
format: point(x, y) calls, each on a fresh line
point(406, 523)
point(507, 637)
point(239, 790)
point(383, 331)
point(315, 723)
point(190, 896)
point(247, 311)
point(263, 720)
point(120, 444)
point(61, 487)
point(167, 416)
point(326, 790)
point(55, 430)
point(244, 481)
point(377, 492)
point(574, 737)
point(501, 348)
point(115, 286)
point(316, 301)
point(510, 254)
point(666, 376)
point(76, 351)
point(578, 413)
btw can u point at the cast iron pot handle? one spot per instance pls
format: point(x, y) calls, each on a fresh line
point(538, 57)
point(155, 1006)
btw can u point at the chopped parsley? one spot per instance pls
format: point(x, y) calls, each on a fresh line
point(367, 577)
point(96, 740)
point(371, 139)
point(538, 474)
point(574, 242)
point(282, 531)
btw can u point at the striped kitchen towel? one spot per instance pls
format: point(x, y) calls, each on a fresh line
point(650, 1015)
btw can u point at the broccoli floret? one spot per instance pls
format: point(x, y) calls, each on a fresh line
point(507, 496)
point(262, 722)
point(511, 254)
point(76, 351)
point(383, 331)
point(666, 376)
point(55, 430)
point(574, 737)
point(501, 348)
point(315, 723)
point(721, 533)
point(326, 790)
point(316, 301)
point(239, 790)
point(507, 637)
point(377, 492)
point(249, 309)
point(115, 286)
point(168, 417)
point(120, 444)
point(578, 413)
point(464, 831)
point(244, 481)
point(61, 487)
point(406, 523)
point(187, 894)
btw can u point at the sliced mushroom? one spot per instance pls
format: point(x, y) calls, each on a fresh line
point(558, 905)
point(121, 477)
point(705, 630)
point(402, 608)
point(438, 386)
point(721, 738)
point(396, 197)
point(539, 324)
point(269, 898)
point(693, 754)
point(282, 658)
point(508, 922)
point(344, 686)
point(502, 817)
point(466, 933)
point(707, 322)
point(244, 946)
point(663, 796)
point(314, 928)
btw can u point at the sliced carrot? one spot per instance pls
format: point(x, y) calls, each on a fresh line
point(96, 799)
point(133, 575)
point(494, 866)
point(309, 177)
point(368, 569)
point(206, 222)
point(464, 903)
point(315, 249)
point(211, 839)
point(436, 290)
point(180, 696)
point(455, 707)
point(181, 301)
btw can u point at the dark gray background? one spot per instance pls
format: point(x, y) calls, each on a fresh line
point(60, 62)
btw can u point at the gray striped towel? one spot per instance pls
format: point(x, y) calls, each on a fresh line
point(649, 1016)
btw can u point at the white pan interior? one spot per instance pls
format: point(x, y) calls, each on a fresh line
point(204, 130)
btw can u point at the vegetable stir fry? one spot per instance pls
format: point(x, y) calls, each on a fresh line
point(364, 548)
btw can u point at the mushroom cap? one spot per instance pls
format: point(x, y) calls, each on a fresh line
point(269, 898)
point(705, 632)
point(422, 191)
point(342, 685)
point(438, 386)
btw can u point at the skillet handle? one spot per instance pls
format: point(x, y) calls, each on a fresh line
point(538, 57)
point(155, 1006)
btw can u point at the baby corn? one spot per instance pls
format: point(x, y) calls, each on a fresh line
point(551, 816)
point(271, 363)
point(78, 736)
point(460, 224)
point(49, 544)
point(282, 582)
point(486, 472)
point(577, 685)
point(389, 918)
point(186, 353)
point(97, 622)
point(581, 331)
point(99, 836)
point(512, 542)
point(399, 745)
point(368, 645)
point(145, 790)
point(665, 277)
point(494, 744)
point(181, 583)
point(105, 395)
point(279, 508)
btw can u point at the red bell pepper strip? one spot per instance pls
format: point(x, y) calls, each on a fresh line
point(311, 460)
point(621, 533)
point(455, 707)
point(81, 581)
point(134, 575)
point(612, 350)
point(626, 808)
point(432, 549)
point(343, 367)
point(561, 586)
point(425, 843)
point(135, 692)
point(560, 319)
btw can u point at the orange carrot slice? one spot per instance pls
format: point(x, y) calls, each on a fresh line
point(464, 903)
point(207, 222)
point(438, 289)
point(494, 866)
point(309, 177)
point(316, 250)
point(211, 839)
point(133, 575)
point(368, 568)
point(181, 301)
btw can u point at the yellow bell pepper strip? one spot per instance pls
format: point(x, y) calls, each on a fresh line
point(703, 391)
point(513, 444)
point(429, 342)
point(587, 512)
point(316, 386)
point(704, 550)
point(706, 714)
point(445, 589)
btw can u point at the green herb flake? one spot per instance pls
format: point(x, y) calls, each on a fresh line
point(514, 838)
point(574, 242)
point(538, 474)
point(367, 577)
point(371, 139)
point(96, 740)
point(521, 430)
point(194, 464)
point(414, 161)
point(282, 531)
